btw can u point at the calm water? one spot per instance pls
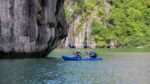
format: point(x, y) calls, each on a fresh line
point(116, 68)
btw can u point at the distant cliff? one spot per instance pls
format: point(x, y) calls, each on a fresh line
point(80, 16)
point(108, 23)
point(80, 24)
point(31, 28)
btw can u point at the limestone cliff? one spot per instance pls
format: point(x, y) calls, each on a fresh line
point(81, 15)
point(80, 38)
point(31, 28)
point(79, 29)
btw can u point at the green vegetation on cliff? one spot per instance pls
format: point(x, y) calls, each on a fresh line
point(125, 23)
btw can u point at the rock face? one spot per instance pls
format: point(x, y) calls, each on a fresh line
point(79, 33)
point(80, 39)
point(80, 23)
point(31, 28)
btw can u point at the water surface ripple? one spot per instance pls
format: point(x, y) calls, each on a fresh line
point(117, 69)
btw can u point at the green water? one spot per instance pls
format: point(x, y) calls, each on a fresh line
point(118, 67)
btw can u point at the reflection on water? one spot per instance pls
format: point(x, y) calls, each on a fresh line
point(133, 68)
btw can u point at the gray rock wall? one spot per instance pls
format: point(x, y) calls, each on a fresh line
point(80, 39)
point(79, 32)
point(31, 27)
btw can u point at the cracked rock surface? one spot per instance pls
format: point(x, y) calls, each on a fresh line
point(31, 28)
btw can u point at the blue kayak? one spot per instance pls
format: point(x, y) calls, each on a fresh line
point(79, 59)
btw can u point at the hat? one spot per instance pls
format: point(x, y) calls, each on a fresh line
point(78, 50)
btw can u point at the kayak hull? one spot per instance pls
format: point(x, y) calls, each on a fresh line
point(79, 59)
